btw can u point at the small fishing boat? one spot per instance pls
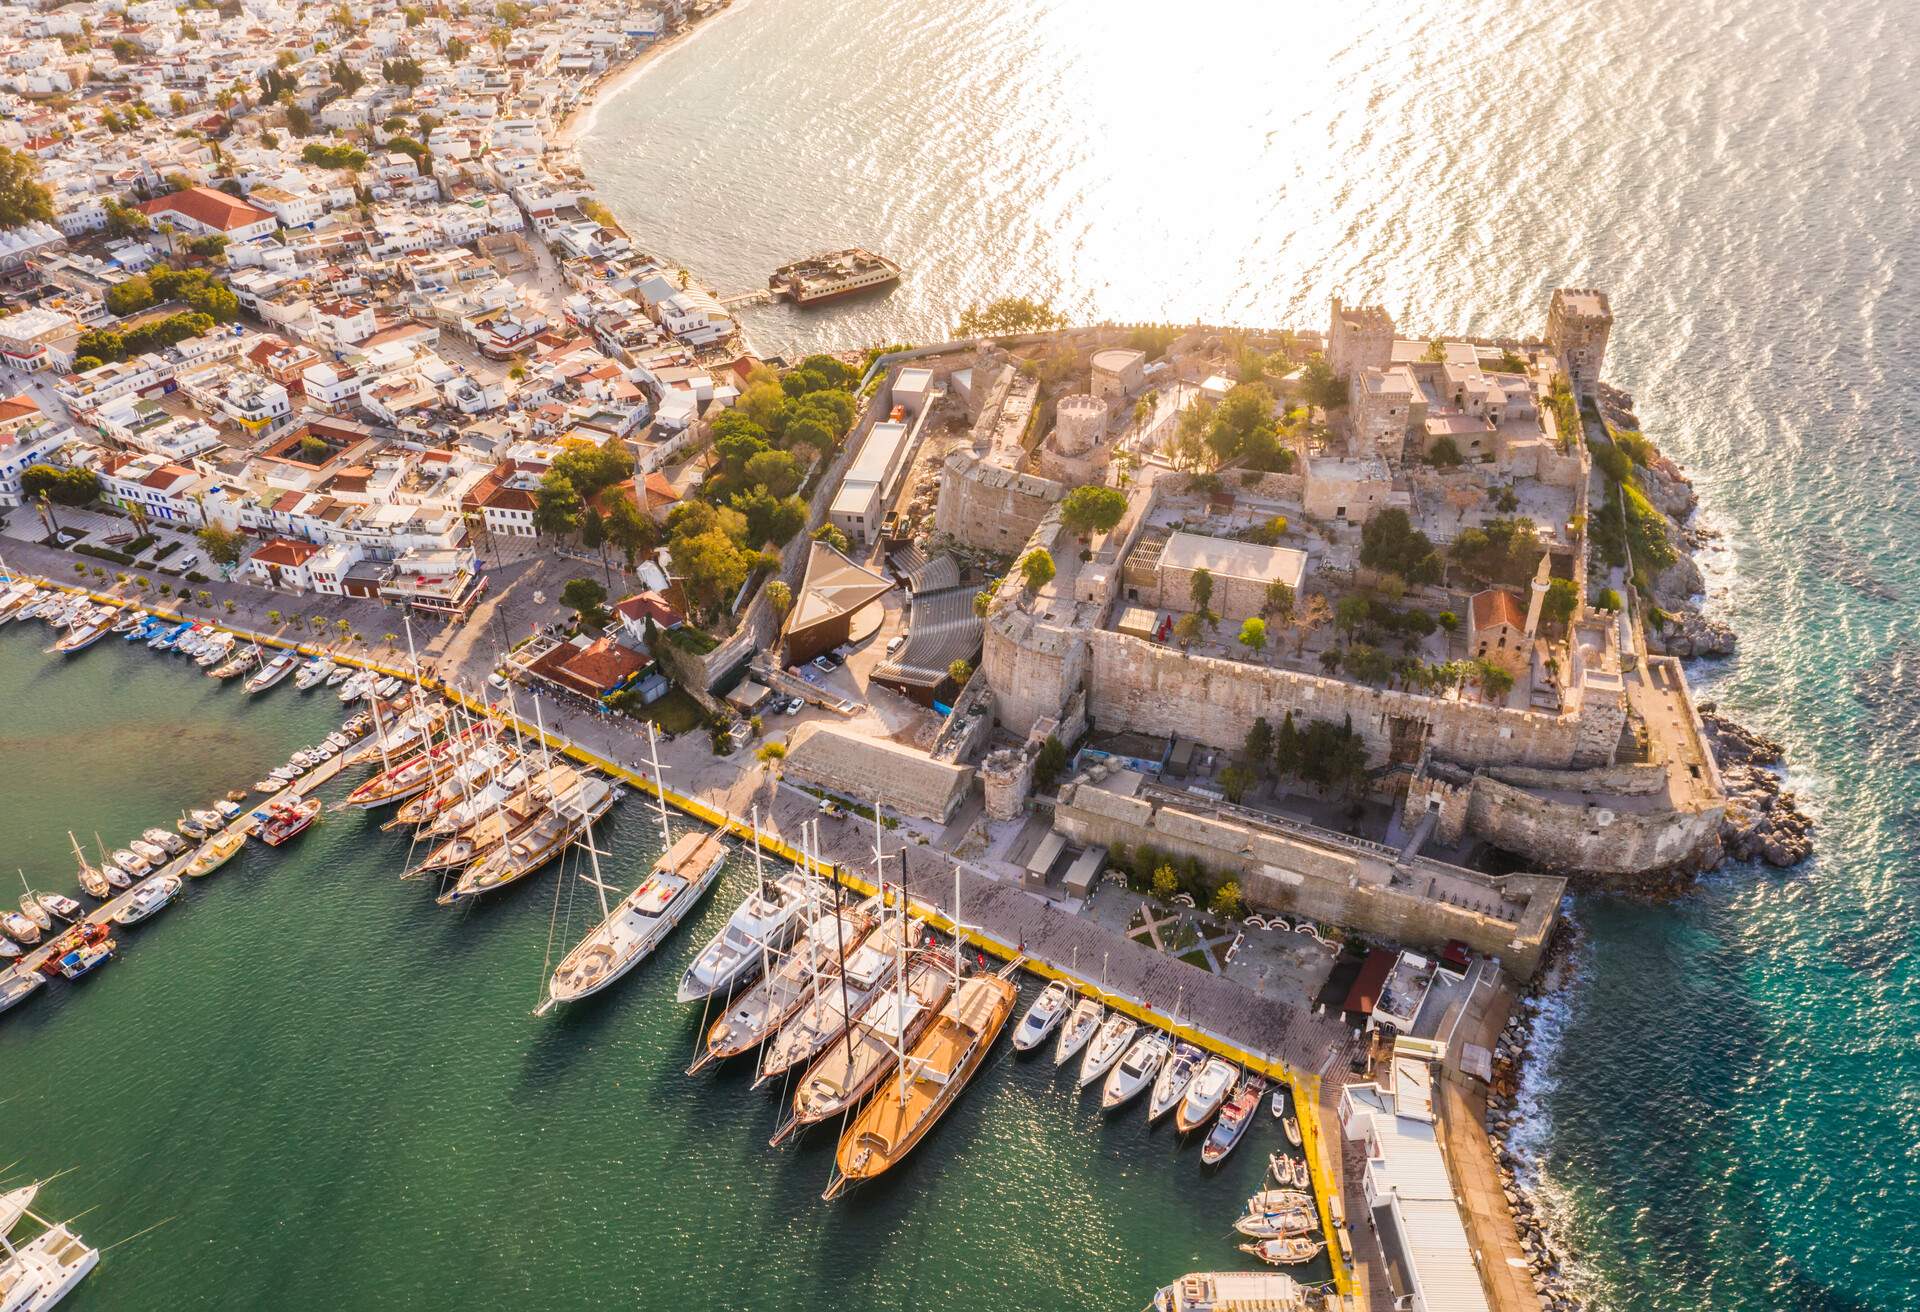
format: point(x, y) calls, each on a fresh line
point(153, 853)
point(1291, 1251)
point(169, 842)
point(312, 674)
point(1135, 1071)
point(338, 675)
point(229, 808)
point(1278, 1103)
point(16, 985)
point(1109, 1041)
point(1205, 1093)
point(191, 827)
point(83, 958)
point(1277, 1225)
point(269, 786)
point(1278, 1200)
point(149, 898)
point(30, 908)
point(64, 907)
point(1292, 1127)
point(1077, 1029)
point(271, 673)
point(216, 852)
point(19, 928)
point(9, 949)
point(1231, 1127)
point(284, 820)
point(82, 636)
point(1046, 1013)
point(1171, 1083)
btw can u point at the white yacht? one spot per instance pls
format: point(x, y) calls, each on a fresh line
point(640, 921)
point(1176, 1073)
point(1108, 1043)
point(17, 985)
point(147, 899)
point(1135, 1071)
point(766, 919)
point(1047, 1011)
point(1078, 1029)
point(1204, 1095)
point(869, 968)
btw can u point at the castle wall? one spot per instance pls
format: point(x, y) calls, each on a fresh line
point(1589, 836)
point(990, 506)
point(1154, 689)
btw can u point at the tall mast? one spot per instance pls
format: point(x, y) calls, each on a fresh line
point(659, 787)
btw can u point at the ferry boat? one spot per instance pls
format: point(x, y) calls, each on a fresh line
point(38, 1273)
point(832, 275)
point(642, 920)
point(284, 820)
point(928, 1082)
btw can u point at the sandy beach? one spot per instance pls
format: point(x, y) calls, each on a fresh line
point(617, 79)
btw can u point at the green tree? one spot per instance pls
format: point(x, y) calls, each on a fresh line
point(1444, 453)
point(1436, 352)
point(223, 546)
point(457, 50)
point(628, 530)
point(557, 507)
point(1236, 781)
point(586, 598)
point(1258, 744)
point(63, 487)
point(1279, 600)
point(1253, 634)
point(960, 671)
point(1391, 544)
point(1036, 569)
point(1495, 681)
point(1186, 630)
point(780, 597)
point(123, 220)
point(1321, 385)
point(1607, 600)
point(23, 197)
point(299, 121)
point(1200, 591)
point(1562, 599)
point(777, 471)
point(833, 537)
point(1226, 900)
point(1089, 510)
point(1006, 316)
point(711, 565)
point(1050, 764)
point(403, 72)
point(1166, 882)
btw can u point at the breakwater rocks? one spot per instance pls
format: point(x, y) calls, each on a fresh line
point(1764, 821)
point(1508, 1111)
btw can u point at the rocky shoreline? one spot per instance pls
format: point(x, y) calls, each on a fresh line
point(1549, 1258)
point(1763, 820)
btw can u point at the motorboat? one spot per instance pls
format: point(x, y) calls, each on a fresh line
point(129, 621)
point(284, 820)
point(1205, 1093)
point(388, 687)
point(1234, 1118)
point(81, 961)
point(765, 921)
point(641, 921)
point(155, 854)
point(1290, 1172)
point(1046, 1013)
point(229, 808)
point(1135, 1071)
point(1292, 1127)
point(149, 898)
point(60, 905)
point(271, 673)
point(312, 674)
point(338, 675)
point(1278, 1200)
point(216, 852)
point(1109, 1041)
point(17, 985)
point(19, 928)
point(755, 1014)
point(1291, 1251)
point(192, 828)
point(1176, 1073)
point(1077, 1029)
point(169, 842)
point(215, 650)
point(9, 949)
point(357, 685)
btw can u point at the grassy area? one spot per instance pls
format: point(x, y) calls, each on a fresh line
point(675, 713)
point(688, 638)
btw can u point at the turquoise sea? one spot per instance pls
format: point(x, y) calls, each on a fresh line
point(1727, 1115)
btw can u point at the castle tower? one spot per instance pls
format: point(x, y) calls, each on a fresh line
point(1538, 597)
point(1358, 336)
point(1578, 323)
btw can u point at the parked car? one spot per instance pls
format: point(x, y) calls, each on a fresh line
point(825, 664)
point(498, 680)
point(795, 705)
point(894, 643)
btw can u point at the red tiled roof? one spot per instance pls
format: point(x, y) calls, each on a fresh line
point(600, 667)
point(18, 407)
point(285, 551)
point(643, 605)
point(204, 205)
point(1498, 606)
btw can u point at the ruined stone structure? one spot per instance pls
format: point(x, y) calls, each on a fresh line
point(1118, 372)
point(867, 769)
point(1302, 871)
point(1579, 321)
point(1076, 452)
point(1358, 337)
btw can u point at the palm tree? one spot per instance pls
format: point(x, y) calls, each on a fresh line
point(273, 617)
point(344, 627)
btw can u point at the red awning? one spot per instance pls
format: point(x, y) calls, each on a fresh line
point(1365, 993)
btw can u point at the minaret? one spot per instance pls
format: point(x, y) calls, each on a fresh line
point(1539, 597)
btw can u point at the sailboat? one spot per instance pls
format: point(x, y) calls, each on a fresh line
point(930, 1077)
point(861, 977)
point(787, 983)
point(40, 1272)
point(764, 921)
point(629, 932)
